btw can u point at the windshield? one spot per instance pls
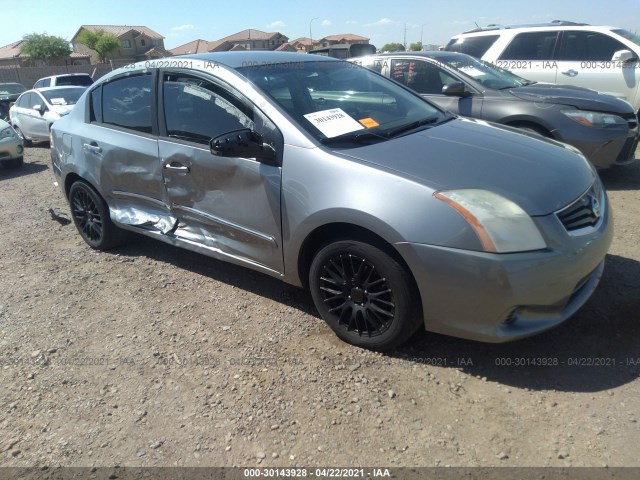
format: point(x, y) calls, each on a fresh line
point(63, 96)
point(483, 72)
point(337, 101)
point(11, 88)
point(628, 35)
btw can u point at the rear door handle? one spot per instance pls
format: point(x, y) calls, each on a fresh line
point(176, 167)
point(570, 73)
point(92, 147)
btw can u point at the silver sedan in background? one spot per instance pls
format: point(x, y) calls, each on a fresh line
point(394, 213)
point(35, 110)
point(11, 148)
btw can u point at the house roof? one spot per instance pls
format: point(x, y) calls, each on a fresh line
point(201, 46)
point(303, 41)
point(12, 50)
point(251, 34)
point(119, 30)
point(195, 46)
point(286, 47)
point(344, 37)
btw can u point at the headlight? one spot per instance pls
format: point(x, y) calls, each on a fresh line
point(7, 133)
point(501, 225)
point(595, 119)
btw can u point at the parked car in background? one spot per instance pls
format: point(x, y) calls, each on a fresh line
point(604, 128)
point(65, 80)
point(393, 212)
point(601, 58)
point(35, 110)
point(11, 149)
point(9, 93)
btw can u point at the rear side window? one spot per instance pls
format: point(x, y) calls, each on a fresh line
point(43, 83)
point(531, 46)
point(79, 80)
point(474, 46)
point(421, 76)
point(588, 46)
point(126, 102)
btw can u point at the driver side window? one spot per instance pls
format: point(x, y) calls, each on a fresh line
point(196, 110)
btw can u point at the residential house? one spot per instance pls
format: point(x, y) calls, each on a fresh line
point(304, 44)
point(250, 39)
point(201, 46)
point(12, 56)
point(136, 43)
point(253, 39)
point(342, 39)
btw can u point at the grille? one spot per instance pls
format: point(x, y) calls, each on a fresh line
point(584, 214)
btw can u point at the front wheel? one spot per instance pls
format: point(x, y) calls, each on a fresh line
point(91, 216)
point(365, 296)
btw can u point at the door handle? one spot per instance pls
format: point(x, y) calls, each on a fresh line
point(570, 73)
point(92, 147)
point(176, 167)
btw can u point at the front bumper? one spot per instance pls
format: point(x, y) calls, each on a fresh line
point(604, 148)
point(503, 297)
point(11, 148)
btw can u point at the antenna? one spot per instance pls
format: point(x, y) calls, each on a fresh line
point(479, 28)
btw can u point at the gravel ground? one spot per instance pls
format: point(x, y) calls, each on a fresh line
point(154, 356)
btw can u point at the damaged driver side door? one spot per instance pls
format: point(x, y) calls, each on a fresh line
point(228, 205)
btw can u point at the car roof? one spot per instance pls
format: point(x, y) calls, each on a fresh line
point(425, 54)
point(49, 89)
point(11, 83)
point(536, 27)
point(255, 58)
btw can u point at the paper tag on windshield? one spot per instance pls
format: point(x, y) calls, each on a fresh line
point(58, 101)
point(333, 122)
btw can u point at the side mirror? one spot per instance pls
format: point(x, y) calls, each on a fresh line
point(455, 89)
point(40, 108)
point(243, 143)
point(624, 56)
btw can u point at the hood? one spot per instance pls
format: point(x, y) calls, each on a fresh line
point(61, 109)
point(577, 97)
point(9, 97)
point(540, 175)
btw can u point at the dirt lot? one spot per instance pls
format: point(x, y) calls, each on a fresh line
point(154, 356)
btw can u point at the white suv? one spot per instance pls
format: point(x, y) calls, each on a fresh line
point(595, 57)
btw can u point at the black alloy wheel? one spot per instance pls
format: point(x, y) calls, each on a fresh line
point(91, 217)
point(364, 295)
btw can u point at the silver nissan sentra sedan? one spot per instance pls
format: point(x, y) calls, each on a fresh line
point(394, 213)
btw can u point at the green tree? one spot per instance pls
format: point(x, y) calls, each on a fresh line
point(415, 47)
point(47, 48)
point(102, 42)
point(392, 47)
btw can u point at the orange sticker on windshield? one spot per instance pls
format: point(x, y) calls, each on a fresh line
point(369, 122)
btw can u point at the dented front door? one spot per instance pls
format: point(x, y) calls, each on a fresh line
point(229, 205)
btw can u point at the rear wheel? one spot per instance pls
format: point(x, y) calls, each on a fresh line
point(365, 296)
point(91, 217)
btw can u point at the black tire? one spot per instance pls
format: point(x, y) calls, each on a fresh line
point(365, 296)
point(13, 163)
point(91, 216)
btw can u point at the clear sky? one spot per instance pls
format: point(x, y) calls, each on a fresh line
point(383, 21)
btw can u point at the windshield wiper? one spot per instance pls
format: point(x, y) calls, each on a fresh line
point(355, 137)
point(411, 126)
